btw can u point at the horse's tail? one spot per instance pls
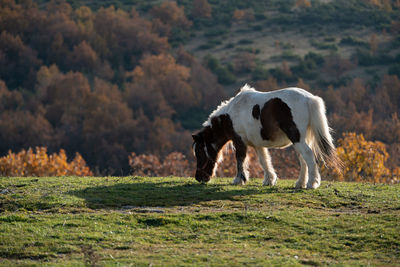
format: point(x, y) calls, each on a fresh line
point(319, 135)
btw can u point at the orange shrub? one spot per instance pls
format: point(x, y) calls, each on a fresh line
point(395, 176)
point(177, 164)
point(227, 168)
point(363, 160)
point(150, 165)
point(144, 165)
point(38, 163)
point(285, 163)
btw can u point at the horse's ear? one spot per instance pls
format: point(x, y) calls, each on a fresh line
point(215, 121)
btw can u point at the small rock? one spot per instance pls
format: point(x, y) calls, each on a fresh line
point(128, 207)
point(5, 191)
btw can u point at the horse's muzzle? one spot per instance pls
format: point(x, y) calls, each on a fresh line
point(202, 176)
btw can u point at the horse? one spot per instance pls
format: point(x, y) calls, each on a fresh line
point(263, 120)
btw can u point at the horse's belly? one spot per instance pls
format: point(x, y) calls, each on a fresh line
point(279, 141)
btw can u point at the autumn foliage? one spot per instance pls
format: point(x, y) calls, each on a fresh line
point(37, 162)
point(363, 161)
point(150, 165)
point(177, 164)
point(99, 82)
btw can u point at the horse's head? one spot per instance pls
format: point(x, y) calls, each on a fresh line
point(206, 155)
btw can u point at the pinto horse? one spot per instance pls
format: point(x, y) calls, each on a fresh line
point(263, 120)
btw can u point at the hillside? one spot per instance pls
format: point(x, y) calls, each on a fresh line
point(108, 221)
point(110, 78)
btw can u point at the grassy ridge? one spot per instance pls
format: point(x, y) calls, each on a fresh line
point(176, 221)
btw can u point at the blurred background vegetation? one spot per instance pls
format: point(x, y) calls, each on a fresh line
point(108, 78)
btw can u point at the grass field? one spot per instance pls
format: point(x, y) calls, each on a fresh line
point(109, 221)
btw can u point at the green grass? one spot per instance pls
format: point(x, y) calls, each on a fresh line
point(71, 221)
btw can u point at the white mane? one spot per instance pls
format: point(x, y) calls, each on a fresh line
point(224, 106)
point(246, 87)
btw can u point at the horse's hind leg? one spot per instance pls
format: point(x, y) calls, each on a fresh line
point(303, 177)
point(314, 179)
point(270, 177)
point(242, 175)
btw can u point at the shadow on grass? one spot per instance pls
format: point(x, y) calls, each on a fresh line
point(164, 194)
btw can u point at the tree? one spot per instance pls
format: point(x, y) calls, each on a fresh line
point(18, 62)
point(303, 3)
point(126, 37)
point(22, 129)
point(373, 43)
point(267, 85)
point(83, 58)
point(166, 79)
point(9, 100)
point(244, 62)
point(107, 129)
point(303, 85)
point(286, 69)
point(243, 15)
point(388, 130)
point(387, 96)
point(355, 92)
point(336, 66)
point(201, 9)
point(171, 14)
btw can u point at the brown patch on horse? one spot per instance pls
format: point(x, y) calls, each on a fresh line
point(256, 112)
point(276, 115)
point(222, 126)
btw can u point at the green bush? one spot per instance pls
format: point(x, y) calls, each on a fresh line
point(395, 70)
point(314, 58)
point(216, 32)
point(224, 74)
point(307, 67)
point(345, 14)
point(249, 50)
point(178, 36)
point(211, 62)
point(365, 58)
point(330, 39)
point(324, 45)
point(281, 76)
point(287, 55)
point(257, 28)
point(245, 42)
point(230, 45)
point(354, 42)
point(260, 16)
point(206, 46)
point(259, 73)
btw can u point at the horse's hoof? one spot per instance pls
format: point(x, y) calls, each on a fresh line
point(270, 183)
point(240, 180)
point(300, 186)
point(313, 185)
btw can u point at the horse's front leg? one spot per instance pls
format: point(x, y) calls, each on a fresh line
point(242, 175)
